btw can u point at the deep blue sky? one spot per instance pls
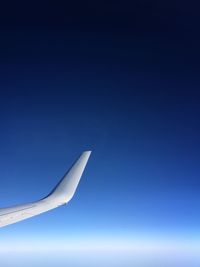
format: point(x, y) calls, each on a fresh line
point(121, 79)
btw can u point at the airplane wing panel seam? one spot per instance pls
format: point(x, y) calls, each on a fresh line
point(8, 213)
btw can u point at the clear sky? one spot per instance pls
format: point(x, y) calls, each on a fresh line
point(121, 80)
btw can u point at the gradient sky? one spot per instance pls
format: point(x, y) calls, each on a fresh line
point(120, 79)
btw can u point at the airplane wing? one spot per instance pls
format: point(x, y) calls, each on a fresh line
point(60, 195)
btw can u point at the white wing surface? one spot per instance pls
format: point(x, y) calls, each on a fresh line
point(61, 194)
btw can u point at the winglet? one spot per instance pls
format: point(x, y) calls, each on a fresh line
point(66, 188)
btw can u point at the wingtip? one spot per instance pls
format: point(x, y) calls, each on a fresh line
point(87, 152)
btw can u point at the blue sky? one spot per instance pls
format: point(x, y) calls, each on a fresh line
point(125, 88)
point(140, 188)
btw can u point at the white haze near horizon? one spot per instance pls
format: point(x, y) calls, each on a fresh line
point(105, 255)
point(97, 259)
